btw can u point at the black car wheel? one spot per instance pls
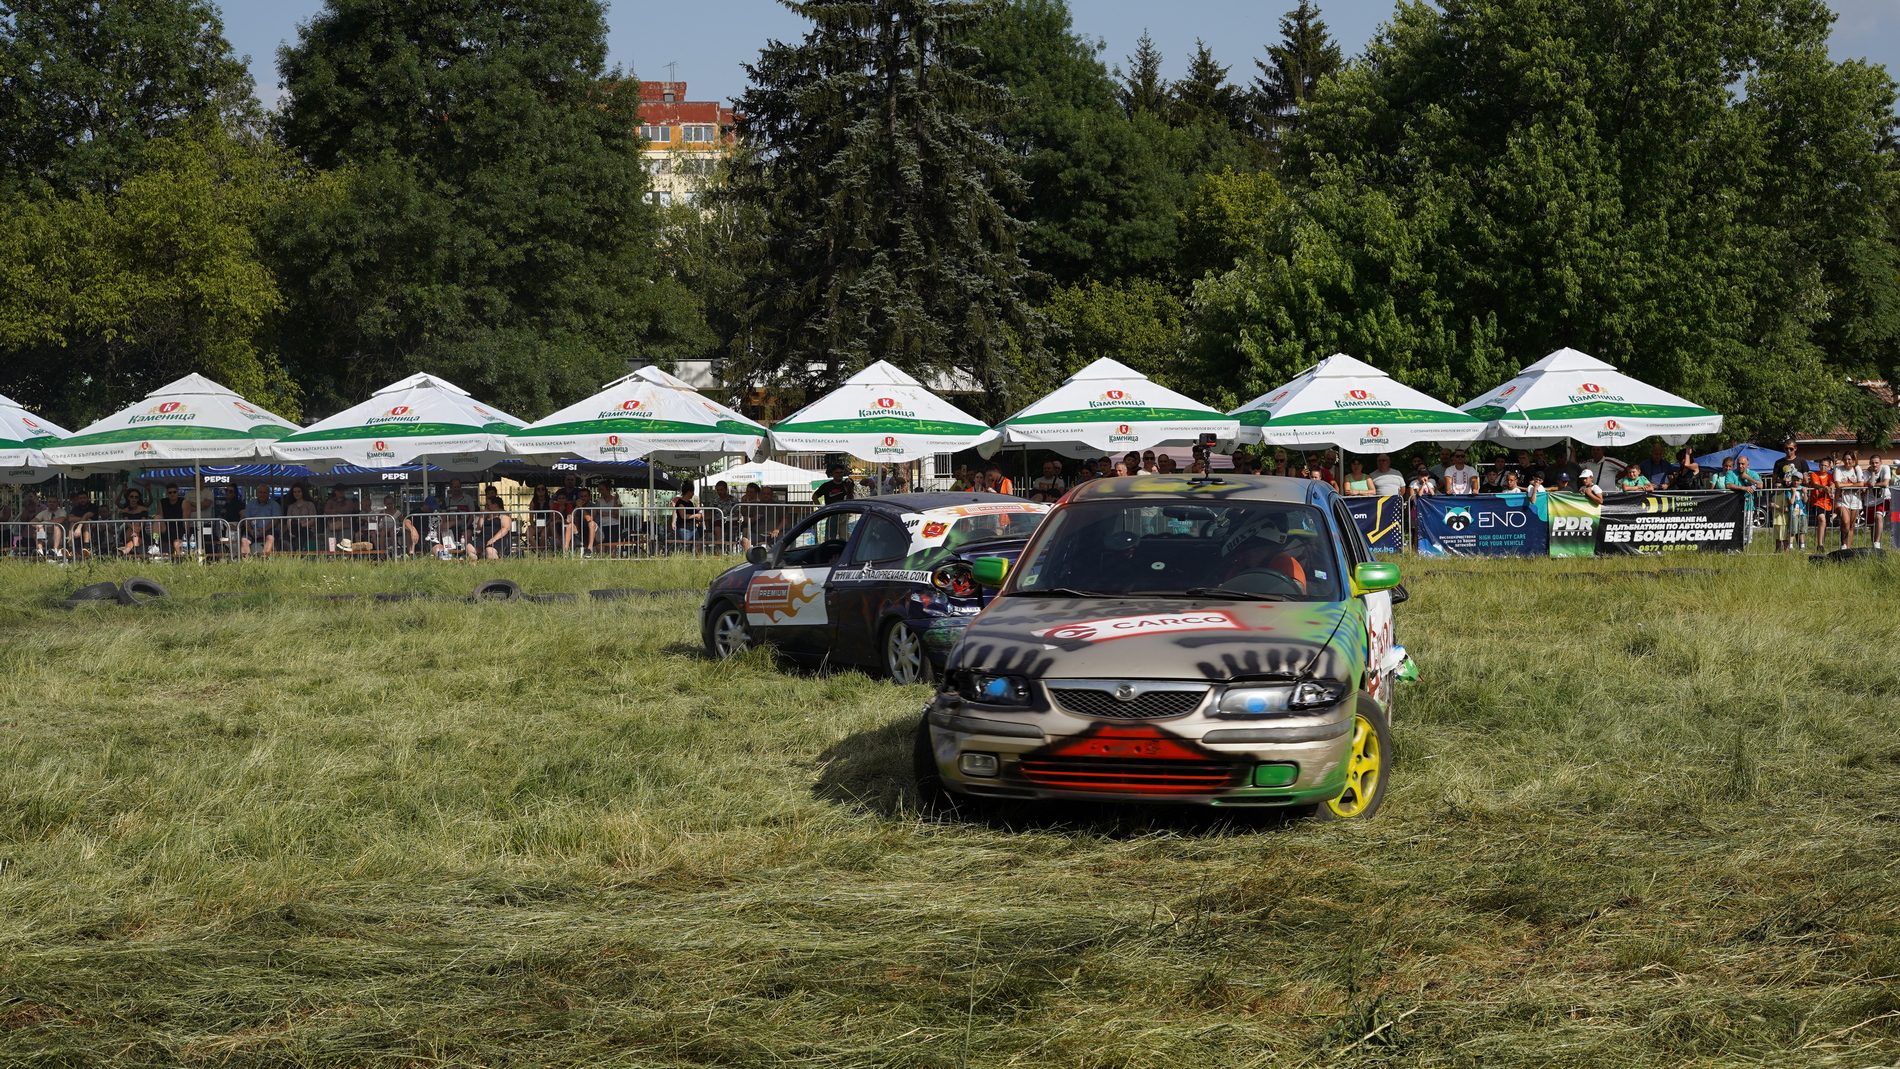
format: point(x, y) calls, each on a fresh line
point(726, 632)
point(905, 658)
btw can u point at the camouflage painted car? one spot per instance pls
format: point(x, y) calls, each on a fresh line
point(883, 582)
point(1173, 638)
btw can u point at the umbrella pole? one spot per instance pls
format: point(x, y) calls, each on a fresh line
point(197, 502)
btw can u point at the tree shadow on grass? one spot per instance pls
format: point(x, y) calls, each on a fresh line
point(871, 771)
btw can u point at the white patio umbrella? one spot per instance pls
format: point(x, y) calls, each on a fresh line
point(23, 439)
point(646, 414)
point(1350, 404)
point(1109, 407)
point(190, 421)
point(881, 415)
point(421, 418)
point(1573, 395)
point(768, 473)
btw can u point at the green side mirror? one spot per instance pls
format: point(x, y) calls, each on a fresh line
point(991, 571)
point(1374, 576)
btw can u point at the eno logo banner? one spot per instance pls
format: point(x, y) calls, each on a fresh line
point(1129, 626)
point(1458, 519)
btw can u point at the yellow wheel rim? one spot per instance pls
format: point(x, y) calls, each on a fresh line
point(1364, 765)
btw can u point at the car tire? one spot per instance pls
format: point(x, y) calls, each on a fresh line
point(1368, 770)
point(931, 793)
point(138, 586)
point(97, 592)
point(903, 655)
point(725, 633)
point(496, 590)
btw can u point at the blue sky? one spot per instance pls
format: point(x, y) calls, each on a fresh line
point(709, 39)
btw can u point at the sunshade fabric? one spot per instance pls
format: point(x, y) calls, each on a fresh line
point(1573, 395)
point(420, 416)
point(23, 439)
point(1350, 404)
point(767, 473)
point(1109, 407)
point(191, 420)
point(647, 413)
point(881, 415)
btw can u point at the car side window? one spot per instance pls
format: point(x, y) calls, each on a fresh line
point(880, 540)
point(820, 542)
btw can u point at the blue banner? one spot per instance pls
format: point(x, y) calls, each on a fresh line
point(1378, 519)
point(1481, 525)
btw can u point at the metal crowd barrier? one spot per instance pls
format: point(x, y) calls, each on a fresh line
point(30, 540)
point(168, 539)
point(356, 535)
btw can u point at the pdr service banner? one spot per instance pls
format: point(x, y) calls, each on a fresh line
point(1670, 523)
point(1491, 525)
point(1379, 519)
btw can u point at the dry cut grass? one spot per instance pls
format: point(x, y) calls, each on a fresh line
point(1639, 820)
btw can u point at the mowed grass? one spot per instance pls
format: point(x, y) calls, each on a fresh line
point(1637, 820)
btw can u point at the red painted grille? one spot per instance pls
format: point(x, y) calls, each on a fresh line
point(1129, 775)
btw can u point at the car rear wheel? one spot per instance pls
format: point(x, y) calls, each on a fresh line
point(726, 632)
point(1368, 767)
point(904, 655)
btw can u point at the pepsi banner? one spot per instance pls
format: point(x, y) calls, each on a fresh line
point(1487, 525)
point(1671, 522)
point(1379, 520)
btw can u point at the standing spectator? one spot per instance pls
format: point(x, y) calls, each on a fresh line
point(172, 511)
point(1589, 488)
point(1788, 507)
point(1879, 491)
point(1521, 467)
point(1050, 486)
point(1688, 475)
point(1821, 499)
point(137, 516)
point(1606, 469)
point(1357, 482)
point(1849, 480)
point(1789, 462)
point(1444, 461)
point(1422, 484)
point(300, 530)
point(494, 538)
point(1656, 469)
point(688, 518)
point(1386, 482)
point(1750, 486)
point(1460, 477)
point(1566, 464)
point(607, 518)
point(1325, 472)
point(836, 489)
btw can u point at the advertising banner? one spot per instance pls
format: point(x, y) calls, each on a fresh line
point(1488, 525)
point(1671, 522)
point(1378, 518)
point(1573, 524)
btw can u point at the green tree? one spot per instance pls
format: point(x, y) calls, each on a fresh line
point(887, 235)
point(1691, 192)
point(1138, 321)
point(1143, 90)
point(1205, 95)
point(104, 296)
point(1291, 73)
point(489, 221)
point(85, 86)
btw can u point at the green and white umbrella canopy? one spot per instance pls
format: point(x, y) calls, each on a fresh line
point(881, 415)
point(1350, 404)
point(1569, 394)
point(646, 414)
point(1109, 407)
point(23, 439)
point(420, 416)
point(190, 421)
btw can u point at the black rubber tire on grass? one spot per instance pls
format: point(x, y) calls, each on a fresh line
point(96, 592)
point(139, 586)
point(497, 590)
point(615, 595)
point(549, 598)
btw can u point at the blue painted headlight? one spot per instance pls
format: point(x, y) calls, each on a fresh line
point(998, 690)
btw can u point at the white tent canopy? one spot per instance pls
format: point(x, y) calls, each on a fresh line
point(881, 415)
point(646, 413)
point(1573, 395)
point(23, 439)
point(189, 421)
point(1109, 407)
point(419, 417)
point(1350, 404)
point(769, 473)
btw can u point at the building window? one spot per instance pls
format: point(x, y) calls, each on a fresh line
point(662, 134)
point(666, 198)
point(655, 164)
point(700, 135)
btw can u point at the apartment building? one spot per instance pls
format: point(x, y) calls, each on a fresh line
point(685, 140)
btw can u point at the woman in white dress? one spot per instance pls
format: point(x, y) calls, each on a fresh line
point(1850, 483)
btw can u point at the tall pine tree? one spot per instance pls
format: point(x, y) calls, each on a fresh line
point(1290, 74)
point(1144, 91)
point(887, 234)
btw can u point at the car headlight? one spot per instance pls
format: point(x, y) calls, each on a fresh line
point(997, 690)
point(1281, 699)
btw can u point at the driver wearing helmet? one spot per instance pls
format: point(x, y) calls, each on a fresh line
point(1265, 548)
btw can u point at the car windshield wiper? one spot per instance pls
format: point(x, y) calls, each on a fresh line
point(1237, 595)
point(1063, 592)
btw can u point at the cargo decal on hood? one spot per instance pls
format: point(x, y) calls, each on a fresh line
point(1153, 623)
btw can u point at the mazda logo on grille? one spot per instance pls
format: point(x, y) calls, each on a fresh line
point(1125, 693)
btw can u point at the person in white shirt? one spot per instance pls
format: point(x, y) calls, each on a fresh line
point(1606, 469)
point(1422, 484)
point(1050, 486)
point(1879, 492)
point(1387, 481)
point(1460, 477)
point(1589, 487)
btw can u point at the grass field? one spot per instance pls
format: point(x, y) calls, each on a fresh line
point(1638, 820)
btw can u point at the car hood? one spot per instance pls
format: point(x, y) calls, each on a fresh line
point(1163, 638)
